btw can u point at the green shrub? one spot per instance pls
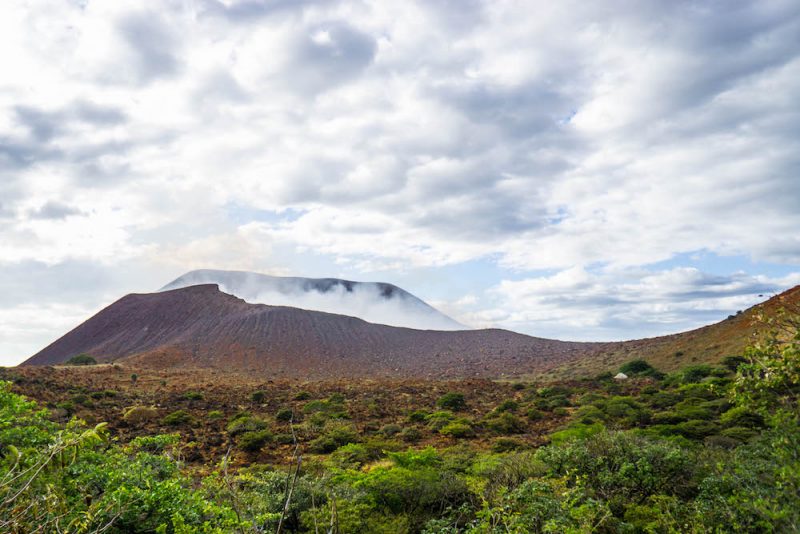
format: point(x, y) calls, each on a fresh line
point(154, 444)
point(620, 468)
point(139, 414)
point(637, 367)
point(302, 395)
point(391, 429)
point(410, 435)
point(507, 406)
point(739, 433)
point(258, 396)
point(696, 373)
point(214, 415)
point(697, 429)
point(193, 395)
point(505, 423)
point(178, 417)
point(246, 423)
point(284, 414)
point(418, 416)
point(458, 430)
point(333, 439)
point(253, 441)
point(732, 363)
point(437, 420)
point(534, 414)
point(452, 401)
point(81, 359)
point(503, 444)
point(742, 417)
point(575, 431)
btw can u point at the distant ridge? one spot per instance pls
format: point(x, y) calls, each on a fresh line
point(376, 302)
point(200, 326)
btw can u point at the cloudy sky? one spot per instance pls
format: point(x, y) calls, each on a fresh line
point(580, 170)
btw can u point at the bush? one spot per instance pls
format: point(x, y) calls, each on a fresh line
point(452, 401)
point(81, 359)
point(457, 429)
point(697, 429)
point(285, 414)
point(739, 433)
point(214, 415)
point(418, 416)
point(178, 417)
point(507, 406)
point(302, 395)
point(258, 396)
point(732, 363)
point(193, 395)
point(742, 417)
point(621, 468)
point(501, 445)
point(253, 441)
point(391, 429)
point(505, 423)
point(410, 435)
point(637, 367)
point(696, 373)
point(139, 414)
point(534, 414)
point(246, 423)
point(333, 439)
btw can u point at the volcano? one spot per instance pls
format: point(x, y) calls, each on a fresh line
point(375, 302)
point(201, 326)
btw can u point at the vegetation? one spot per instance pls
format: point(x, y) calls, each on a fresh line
point(82, 359)
point(705, 448)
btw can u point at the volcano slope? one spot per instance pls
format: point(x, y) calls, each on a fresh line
point(200, 326)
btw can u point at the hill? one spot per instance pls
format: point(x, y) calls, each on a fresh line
point(708, 344)
point(200, 326)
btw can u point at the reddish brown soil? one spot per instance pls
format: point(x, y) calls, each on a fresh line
point(200, 326)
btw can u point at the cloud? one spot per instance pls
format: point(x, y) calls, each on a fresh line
point(612, 304)
point(541, 137)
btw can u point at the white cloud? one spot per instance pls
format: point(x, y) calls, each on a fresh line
point(406, 135)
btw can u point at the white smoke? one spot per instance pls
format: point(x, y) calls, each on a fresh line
point(364, 300)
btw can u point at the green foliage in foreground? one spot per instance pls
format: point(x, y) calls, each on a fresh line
point(698, 453)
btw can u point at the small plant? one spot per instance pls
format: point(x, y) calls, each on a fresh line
point(417, 416)
point(507, 445)
point(254, 441)
point(134, 378)
point(245, 423)
point(193, 395)
point(391, 429)
point(505, 423)
point(178, 417)
point(215, 415)
point(81, 359)
point(285, 414)
point(507, 406)
point(457, 429)
point(452, 401)
point(333, 439)
point(139, 414)
point(303, 395)
point(258, 396)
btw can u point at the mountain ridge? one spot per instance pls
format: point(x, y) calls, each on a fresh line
point(375, 302)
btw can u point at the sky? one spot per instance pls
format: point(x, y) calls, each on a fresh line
point(577, 170)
